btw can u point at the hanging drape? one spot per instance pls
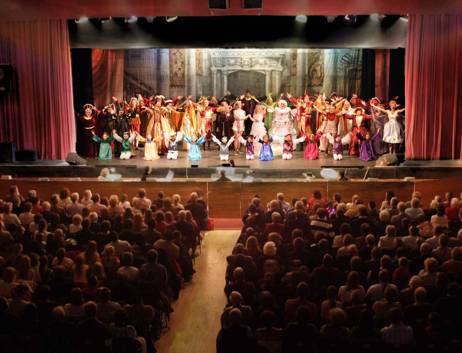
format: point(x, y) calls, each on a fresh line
point(434, 87)
point(382, 69)
point(38, 113)
point(368, 74)
point(108, 75)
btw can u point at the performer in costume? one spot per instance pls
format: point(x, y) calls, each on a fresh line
point(392, 130)
point(194, 143)
point(224, 146)
point(311, 149)
point(366, 151)
point(249, 102)
point(377, 125)
point(266, 152)
point(270, 106)
point(238, 126)
point(87, 122)
point(258, 127)
point(173, 145)
point(206, 112)
point(361, 125)
point(330, 117)
point(337, 146)
point(223, 120)
point(125, 141)
point(289, 146)
point(249, 144)
point(105, 151)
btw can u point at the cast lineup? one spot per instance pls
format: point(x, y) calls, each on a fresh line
point(264, 128)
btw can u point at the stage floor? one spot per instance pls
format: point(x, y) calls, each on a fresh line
point(210, 159)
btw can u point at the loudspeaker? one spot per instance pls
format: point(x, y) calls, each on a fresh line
point(252, 4)
point(26, 156)
point(74, 159)
point(7, 150)
point(387, 160)
point(6, 76)
point(219, 4)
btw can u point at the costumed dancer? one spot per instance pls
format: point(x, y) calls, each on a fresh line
point(238, 126)
point(270, 105)
point(289, 145)
point(105, 151)
point(330, 116)
point(150, 147)
point(125, 142)
point(361, 125)
point(311, 149)
point(266, 152)
point(377, 124)
point(392, 130)
point(223, 120)
point(173, 145)
point(258, 127)
point(337, 146)
point(206, 112)
point(249, 102)
point(249, 144)
point(87, 148)
point(282, 124)
point(194, 143)
point(366, 150)
point(224, 146)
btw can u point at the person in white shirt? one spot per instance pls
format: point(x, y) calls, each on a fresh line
point(9, 217)
point(411, 241)
point(388, 241)
point(75, 207)
point(141, 202)
point(377, 291)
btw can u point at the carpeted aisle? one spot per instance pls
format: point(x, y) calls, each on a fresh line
point(196, 320)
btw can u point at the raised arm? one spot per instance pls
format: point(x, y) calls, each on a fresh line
point(380, 109)
point(116, 136)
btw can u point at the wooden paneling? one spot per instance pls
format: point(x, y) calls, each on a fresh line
point(229, 199)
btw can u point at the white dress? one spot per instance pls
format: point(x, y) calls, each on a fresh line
point(239, 117)
point(392, 131)
point(258, 127)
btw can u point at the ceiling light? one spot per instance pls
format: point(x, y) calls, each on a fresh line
point(150, 19)
point(170, 19)
point(301, 18)
point(81, 19)
point(105, 19)
point(350, 19)
point(131, 19)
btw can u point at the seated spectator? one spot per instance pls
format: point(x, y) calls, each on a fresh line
point(300, 335)
point(428, 274)
point(237, 301)
point(415, 212)
point(237, 337)
point(91, 333)
point(302, 299)
point(388, 242)
point(397, 334)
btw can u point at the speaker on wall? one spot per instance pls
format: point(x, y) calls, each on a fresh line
point(7, 151)
point(6, 75)
point(219, 4)
point(252, 4)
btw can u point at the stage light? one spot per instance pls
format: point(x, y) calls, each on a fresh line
point(150, 19)
point(170, 19)
point(81, 20)
point(131, 19)
point(330, 19)
point(105, 19)
point(350, 19)
point(388, 20)
point(301, 18)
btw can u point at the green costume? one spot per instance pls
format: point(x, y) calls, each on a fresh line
point(105, 151)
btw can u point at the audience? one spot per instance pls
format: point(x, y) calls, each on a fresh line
point(323, 275)
point(93, 274)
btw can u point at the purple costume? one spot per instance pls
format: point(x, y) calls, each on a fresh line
point(366, 150)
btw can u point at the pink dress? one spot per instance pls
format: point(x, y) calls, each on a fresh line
point(311, 150)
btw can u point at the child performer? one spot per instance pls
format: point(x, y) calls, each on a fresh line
point(337, 146)
point(249, 147)
point(266, 153)
point(224, 146)
point(105, 151)
point(366, 150)
point(311, 149)
point(194, 143)
point(150, 147)
point(289, 146)
point(125, 141)
point(238, 125)
point(392, 131)
point(173, 145)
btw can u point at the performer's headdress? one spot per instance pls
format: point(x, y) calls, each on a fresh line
point(88, 105)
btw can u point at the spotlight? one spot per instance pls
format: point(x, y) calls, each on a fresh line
point(131, 19)
point(81, 19)
point(350, 19)
point(301, 18)
point(150, 19)
point(331, 19)
point(170, 19)
point(388, 20)
point(105, 19)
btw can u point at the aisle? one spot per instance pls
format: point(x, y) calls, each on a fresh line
point(196, 320)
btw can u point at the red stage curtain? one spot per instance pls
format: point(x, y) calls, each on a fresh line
point(38, 113)
point(108, 75)
point(434, 87)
